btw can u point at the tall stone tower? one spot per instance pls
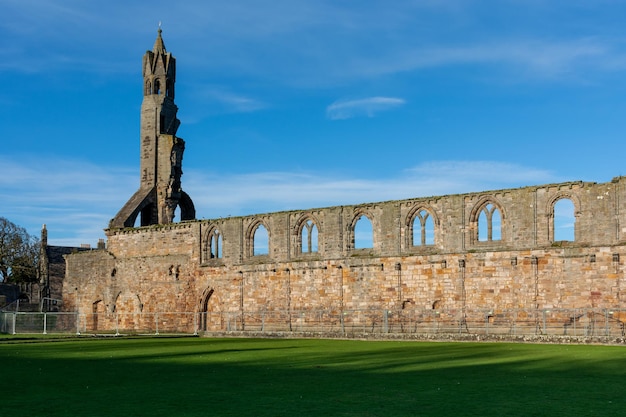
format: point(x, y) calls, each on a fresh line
point(161, 157)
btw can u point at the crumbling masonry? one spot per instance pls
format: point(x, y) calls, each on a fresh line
point(489, 251)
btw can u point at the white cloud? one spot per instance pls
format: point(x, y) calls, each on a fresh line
point(305, 43)
point(77, 199)
point(274, 191)
point(346, 109)
point(533, 58)
point(226, 100)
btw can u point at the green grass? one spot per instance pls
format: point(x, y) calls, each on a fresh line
point(259, 377)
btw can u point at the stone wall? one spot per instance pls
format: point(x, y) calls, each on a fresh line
point(166, 268)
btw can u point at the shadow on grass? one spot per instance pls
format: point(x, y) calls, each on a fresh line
point(258, 377)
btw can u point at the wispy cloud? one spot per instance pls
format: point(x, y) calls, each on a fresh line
point(273, 191)
point(307, 43)
point(77, 200)
point(225, 100)
point(347, 109)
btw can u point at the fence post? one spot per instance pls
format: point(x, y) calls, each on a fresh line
point(45, 320)
point(156, 323)
point(14, 320)
point(195, 324)
point(343, 329)
point(385, 321)
point(487, 323)
point(117, 326)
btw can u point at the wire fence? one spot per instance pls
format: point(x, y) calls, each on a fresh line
point(549, 322)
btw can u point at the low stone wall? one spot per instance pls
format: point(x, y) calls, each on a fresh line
point(463, 337)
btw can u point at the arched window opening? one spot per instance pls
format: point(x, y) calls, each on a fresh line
point(489, 223)
point(260, 241)
point(148, 88)
point(423, 229)
point(309, 237)
point(213, 245)
point(169, 91)
point(564, 220)
point(205, 310)
point(216, 244)
point(363, 233)
point(157, 87)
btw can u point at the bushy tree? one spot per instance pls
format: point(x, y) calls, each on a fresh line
point(19, 253)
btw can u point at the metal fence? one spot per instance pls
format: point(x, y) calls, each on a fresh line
point(550, 322)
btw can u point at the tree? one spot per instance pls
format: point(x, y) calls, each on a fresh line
point(19, 253)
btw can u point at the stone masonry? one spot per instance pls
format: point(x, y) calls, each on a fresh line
point(492, 251)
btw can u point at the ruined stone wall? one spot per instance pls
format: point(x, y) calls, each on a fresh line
point(170, 268)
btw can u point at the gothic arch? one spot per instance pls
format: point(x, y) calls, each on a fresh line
point(410, 219)
point(358, 213)
point(126, 302)
point(210, 316)
point(98, 309)
point(114, 303)
point(478, 208)
point(562, 195)
point(212, 244)
point(250, 235)
point(298, 231)
point(187, 209)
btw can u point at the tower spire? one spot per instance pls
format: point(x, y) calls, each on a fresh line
point(159, 45)
point(161, 155)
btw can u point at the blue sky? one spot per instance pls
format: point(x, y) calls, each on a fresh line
point(289, 104)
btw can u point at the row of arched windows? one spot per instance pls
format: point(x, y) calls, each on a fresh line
point(422, 228)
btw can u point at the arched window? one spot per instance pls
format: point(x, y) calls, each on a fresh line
point(260, 241)
point(564, 220)
point(309, 237)
point(213, 245)
point(489, 223)
point(363, 233)
point(423, 229)
point(157, 87)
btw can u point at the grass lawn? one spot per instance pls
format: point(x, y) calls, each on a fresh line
point(259, 377)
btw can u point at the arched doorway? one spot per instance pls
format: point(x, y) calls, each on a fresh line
point(97, 309)
point(208, 318)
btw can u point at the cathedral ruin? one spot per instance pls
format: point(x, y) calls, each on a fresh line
point(474, 258)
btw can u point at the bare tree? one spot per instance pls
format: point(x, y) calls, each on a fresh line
point(19, 253)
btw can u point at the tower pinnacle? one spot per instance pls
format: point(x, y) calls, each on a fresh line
point(160, 191)
point(159, 46)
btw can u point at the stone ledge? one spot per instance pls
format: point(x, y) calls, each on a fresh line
point(425, 337)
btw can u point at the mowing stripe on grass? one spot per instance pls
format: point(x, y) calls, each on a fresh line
point(261, 377)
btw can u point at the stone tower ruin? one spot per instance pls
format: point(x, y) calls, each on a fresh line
point(483, 261)
point(160, 191)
